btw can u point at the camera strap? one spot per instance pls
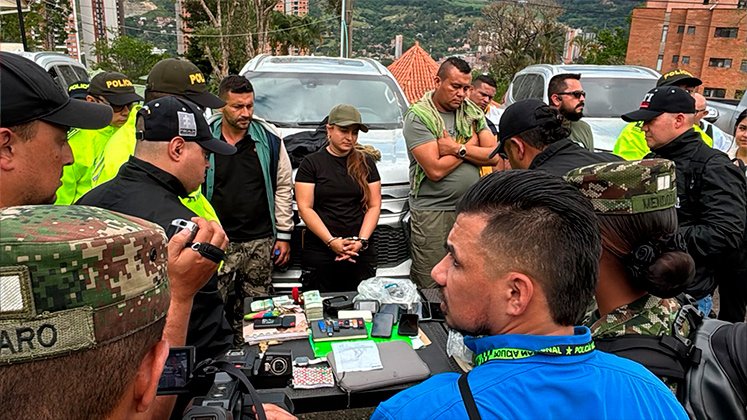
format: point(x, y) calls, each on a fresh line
point(515, 353)
point(241, 377)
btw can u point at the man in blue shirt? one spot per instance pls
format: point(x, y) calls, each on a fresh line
point(521, 269)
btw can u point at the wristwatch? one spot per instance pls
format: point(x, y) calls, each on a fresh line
point(364, 243)
point(462, 153)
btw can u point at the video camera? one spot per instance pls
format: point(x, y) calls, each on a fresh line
point(232, 379)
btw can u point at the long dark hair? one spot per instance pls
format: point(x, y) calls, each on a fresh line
point(666, 270)
point(358, 170)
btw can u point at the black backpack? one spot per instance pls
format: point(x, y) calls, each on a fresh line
point(709, 365)
point(304, 143)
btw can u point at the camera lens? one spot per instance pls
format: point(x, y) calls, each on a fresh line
point(278, 366)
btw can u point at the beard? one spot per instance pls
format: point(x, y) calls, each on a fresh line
point(574, 114)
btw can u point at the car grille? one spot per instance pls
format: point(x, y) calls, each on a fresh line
point(392, 246)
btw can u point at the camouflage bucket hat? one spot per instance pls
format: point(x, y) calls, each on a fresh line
point(627, 187)
point(76, 277)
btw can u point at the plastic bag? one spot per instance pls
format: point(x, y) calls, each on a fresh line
point(455, 348)
point(387, 290)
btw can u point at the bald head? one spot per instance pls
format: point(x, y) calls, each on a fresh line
point(700, 107)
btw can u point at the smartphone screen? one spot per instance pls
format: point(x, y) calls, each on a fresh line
point(408, 324)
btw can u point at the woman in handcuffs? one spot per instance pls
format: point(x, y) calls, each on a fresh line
point(338, 192)
point(644, 263)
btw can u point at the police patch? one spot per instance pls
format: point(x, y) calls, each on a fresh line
point(187, 124)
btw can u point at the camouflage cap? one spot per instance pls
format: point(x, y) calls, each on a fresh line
point(627, 187)
point(76, 277)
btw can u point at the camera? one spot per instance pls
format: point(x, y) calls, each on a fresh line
point(232, 379)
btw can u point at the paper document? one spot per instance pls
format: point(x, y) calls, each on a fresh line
point(356, 356)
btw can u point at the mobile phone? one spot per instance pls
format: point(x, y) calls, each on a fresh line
point(367, 305)
point(177, 225)
point(288, 321)
point(436, 313)
point(273, 322)
point(382, 325)
point(177, 371)
point(408, 325)
point(391, 308)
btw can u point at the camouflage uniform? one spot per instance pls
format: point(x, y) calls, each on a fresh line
point(74, 278)
point(621, 188)
point(250, 263)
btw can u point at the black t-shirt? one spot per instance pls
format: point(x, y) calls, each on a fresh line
point(239, 194)
point(337, 196)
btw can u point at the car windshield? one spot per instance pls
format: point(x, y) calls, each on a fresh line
point(303, 99)
point(610, 98)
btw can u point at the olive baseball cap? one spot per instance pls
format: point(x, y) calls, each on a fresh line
point(28, 93)
point(345, 115)
point(678, 77)
point(627, 187)
point(115, 87)
point(76, 277)
point(171, 116)
point(181, 77)
point(660, 100)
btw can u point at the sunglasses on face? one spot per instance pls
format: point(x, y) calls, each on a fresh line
point(576, 94)
point(115, 108)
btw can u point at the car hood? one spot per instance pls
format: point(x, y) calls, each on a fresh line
point(394, 165)
point(606, 131)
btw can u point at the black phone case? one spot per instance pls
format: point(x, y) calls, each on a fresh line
point(382, 325)
point(391, 308)
point(268, 323)
point(408, 325)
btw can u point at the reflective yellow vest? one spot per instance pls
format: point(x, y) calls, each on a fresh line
point(631, 143)
point(77, 178)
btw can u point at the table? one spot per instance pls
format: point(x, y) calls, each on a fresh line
point(328, 399)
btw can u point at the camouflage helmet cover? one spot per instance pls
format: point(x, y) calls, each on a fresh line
point(76, 277)
point(627, 187)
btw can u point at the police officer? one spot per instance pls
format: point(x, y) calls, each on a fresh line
point(36, 114)
point(108, 88)
point(170, 160)
point(631, 143)
point(711, 191)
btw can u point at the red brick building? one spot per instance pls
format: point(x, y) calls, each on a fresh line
point(709, 41)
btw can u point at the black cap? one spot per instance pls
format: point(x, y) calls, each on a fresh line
point(660, 100)
point(29, 93)
point(678, 77)
point(170, 116)
point(78, 90)
point(522, 116)
point(180, 77)
point(115, 87)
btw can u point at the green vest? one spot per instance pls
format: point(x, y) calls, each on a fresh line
point(631, 143)
point(76, 178)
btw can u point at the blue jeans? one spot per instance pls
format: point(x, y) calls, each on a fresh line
point(705, 305)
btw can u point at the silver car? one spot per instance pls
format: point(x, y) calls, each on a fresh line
point(295, 93)
point(610, 92)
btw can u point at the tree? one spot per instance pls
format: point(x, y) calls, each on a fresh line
point(291, 31)
point(609, 47)
point(44, 22)
point(126, 55)
point(515, 35)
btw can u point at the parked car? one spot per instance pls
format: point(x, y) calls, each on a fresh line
point(63, 69)
point(295, 93)
point(726, 113)
point(610, 92)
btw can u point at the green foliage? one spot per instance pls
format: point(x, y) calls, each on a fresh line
point(127, 55)
point(609, 47)
point(290, 31)
point(516, 35)
point(148, 29)
point(44, 24)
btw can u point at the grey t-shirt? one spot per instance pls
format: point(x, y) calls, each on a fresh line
point(444, 194)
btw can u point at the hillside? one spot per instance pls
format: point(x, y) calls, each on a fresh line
point(441, 26)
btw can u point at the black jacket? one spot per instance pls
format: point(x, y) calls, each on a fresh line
point(563, 156)
point(712, 205)
point(143, 190)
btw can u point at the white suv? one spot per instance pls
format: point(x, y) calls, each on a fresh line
point(610, 92)
point(295, 93)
